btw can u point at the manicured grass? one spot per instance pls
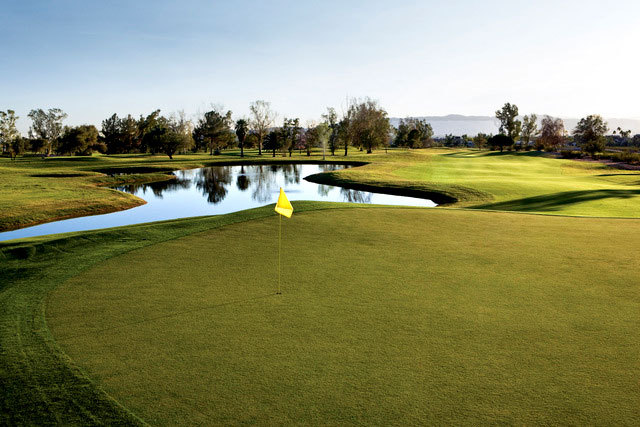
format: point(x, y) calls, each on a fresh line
point(35, 190)
point(532, 182)
point(40, 384)
point(388, 315)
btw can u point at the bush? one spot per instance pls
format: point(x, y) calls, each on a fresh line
point(500, 141)
point(570, 154)
point(631, 158)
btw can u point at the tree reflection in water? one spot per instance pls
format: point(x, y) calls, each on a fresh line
point(355, 196)
point(262, 181)
point(331, 168)
point(213, 182)
point(242, 181)
point(157, 187)
point(323, 190)
point(291, 173)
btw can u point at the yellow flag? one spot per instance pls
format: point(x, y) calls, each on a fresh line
point(283, 207)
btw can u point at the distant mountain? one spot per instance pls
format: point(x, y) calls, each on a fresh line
point(458, 124)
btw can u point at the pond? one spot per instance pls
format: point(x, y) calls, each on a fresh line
point(218, 190)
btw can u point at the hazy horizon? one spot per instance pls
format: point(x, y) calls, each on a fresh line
point(416, 58)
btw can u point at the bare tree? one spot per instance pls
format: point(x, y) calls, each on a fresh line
point(262, 118)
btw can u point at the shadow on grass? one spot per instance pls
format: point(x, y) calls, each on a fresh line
point(474, 153)
point(555, 201)
point(57, 175)
point(71, 159)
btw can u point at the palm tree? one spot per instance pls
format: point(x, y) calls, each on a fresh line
point(241, 132)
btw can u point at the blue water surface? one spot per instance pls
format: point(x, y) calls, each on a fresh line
point(218, 190)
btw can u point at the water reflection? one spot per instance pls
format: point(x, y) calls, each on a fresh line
point(355, 196)
point(218, 190)
point(213, 183)
point(157, 188)
point(261, 180)
point(242, 182)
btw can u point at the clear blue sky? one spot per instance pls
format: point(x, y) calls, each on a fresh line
point(94, 58)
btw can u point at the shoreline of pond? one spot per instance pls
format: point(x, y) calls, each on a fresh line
point(170, 176)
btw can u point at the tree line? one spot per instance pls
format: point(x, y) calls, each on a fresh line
point(363, 125)
point(589, 135)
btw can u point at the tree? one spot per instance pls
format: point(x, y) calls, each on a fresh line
point(145, 124)
point(623, 133)
point(501, 141)
point(306, 140)
point(551, 134)
point(47, 126)
point(170, 135)
point(402, 134)
point(78, 140)
point(322, 133)
point(214, 131)
point(183, 130)
point(529, 130)
point(413, 133)
point(242, 127)
point(262, 118)
point(508, 124)
point(589, 134)
point(369, 125)
point(331, 118)
point(18, 146)
point(449, 140)
point(36, 144)
point(290, 133)
point(624, 136)
point(273, 140)
point(345, 132)
point(8, 131)
point(129, 134)
point(251, 140)
point(111, 133)
point(480, 140)
point(301, 140)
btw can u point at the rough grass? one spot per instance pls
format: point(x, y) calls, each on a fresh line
point(388, 315)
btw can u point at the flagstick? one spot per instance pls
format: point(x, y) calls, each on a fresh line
point(279, 250)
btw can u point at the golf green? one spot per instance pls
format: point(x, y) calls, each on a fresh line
point(387, 316)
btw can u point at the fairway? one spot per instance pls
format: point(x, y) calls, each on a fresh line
point(388, 316)
point(36, 191)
